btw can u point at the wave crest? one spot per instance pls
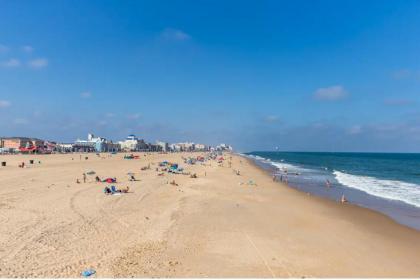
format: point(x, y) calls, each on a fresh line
point(389, 189)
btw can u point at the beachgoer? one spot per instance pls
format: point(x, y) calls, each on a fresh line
point(77, 181)
point(97, 179)
point(107, 190)
point(343, 199)
point(84, 177)
point(328, 183)
point(274, 178)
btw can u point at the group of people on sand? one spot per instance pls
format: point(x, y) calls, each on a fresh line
point(327, 184)
point(113, 189)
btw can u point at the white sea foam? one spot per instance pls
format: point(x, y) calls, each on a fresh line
point(389, 189)
point(286, 166)
point(280, 165)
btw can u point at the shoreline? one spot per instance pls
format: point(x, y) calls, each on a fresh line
point(216, 225)
point(323, 199)
point(403, 214)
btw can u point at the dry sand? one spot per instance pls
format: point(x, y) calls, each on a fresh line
point(209, 226)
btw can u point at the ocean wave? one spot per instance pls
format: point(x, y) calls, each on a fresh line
point(389, 189)
point(279, 165)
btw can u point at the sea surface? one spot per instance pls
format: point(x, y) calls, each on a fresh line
point(386, 182)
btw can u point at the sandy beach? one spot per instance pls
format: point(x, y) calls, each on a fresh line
point(216, 225)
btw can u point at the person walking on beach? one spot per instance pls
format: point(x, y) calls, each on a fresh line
point(84, 177)
point(328, 183)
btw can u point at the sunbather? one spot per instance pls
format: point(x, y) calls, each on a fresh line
point(110, 180)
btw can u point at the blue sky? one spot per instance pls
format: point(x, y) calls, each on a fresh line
point(298, 75)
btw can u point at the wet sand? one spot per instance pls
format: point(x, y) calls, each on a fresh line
point(210, 226)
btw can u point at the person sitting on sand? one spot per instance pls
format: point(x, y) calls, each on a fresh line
point(194, 176)
point(107, 190)
point(174, 183)
point(343, 199)
point(77, 181)
point(132, 178)
point(97, 179)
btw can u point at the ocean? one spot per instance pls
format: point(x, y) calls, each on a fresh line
point(385, 182)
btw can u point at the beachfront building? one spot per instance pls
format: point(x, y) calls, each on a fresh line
point(21, 144)
point(201, 147)
point(164, 145)
point(153, 148)
point(64, 147)
point(175, 148)
point(95, 144)
point(224, 147)
point(188, 147)
point(133, 144)
point(183, 147)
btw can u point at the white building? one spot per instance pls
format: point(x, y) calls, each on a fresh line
point(224, 147)
point(163, 145)
point(132, 143)
point(200, 147)
point(97, 144)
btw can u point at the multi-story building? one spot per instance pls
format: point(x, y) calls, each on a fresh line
point(97, 144)
point(224, 147)
point(164, 146)
point(133, 144)
point(21, 143)
point(200, 147)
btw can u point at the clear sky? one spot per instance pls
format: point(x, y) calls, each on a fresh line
point(298, 75)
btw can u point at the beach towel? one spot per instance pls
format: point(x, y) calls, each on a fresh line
point(110, 180)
